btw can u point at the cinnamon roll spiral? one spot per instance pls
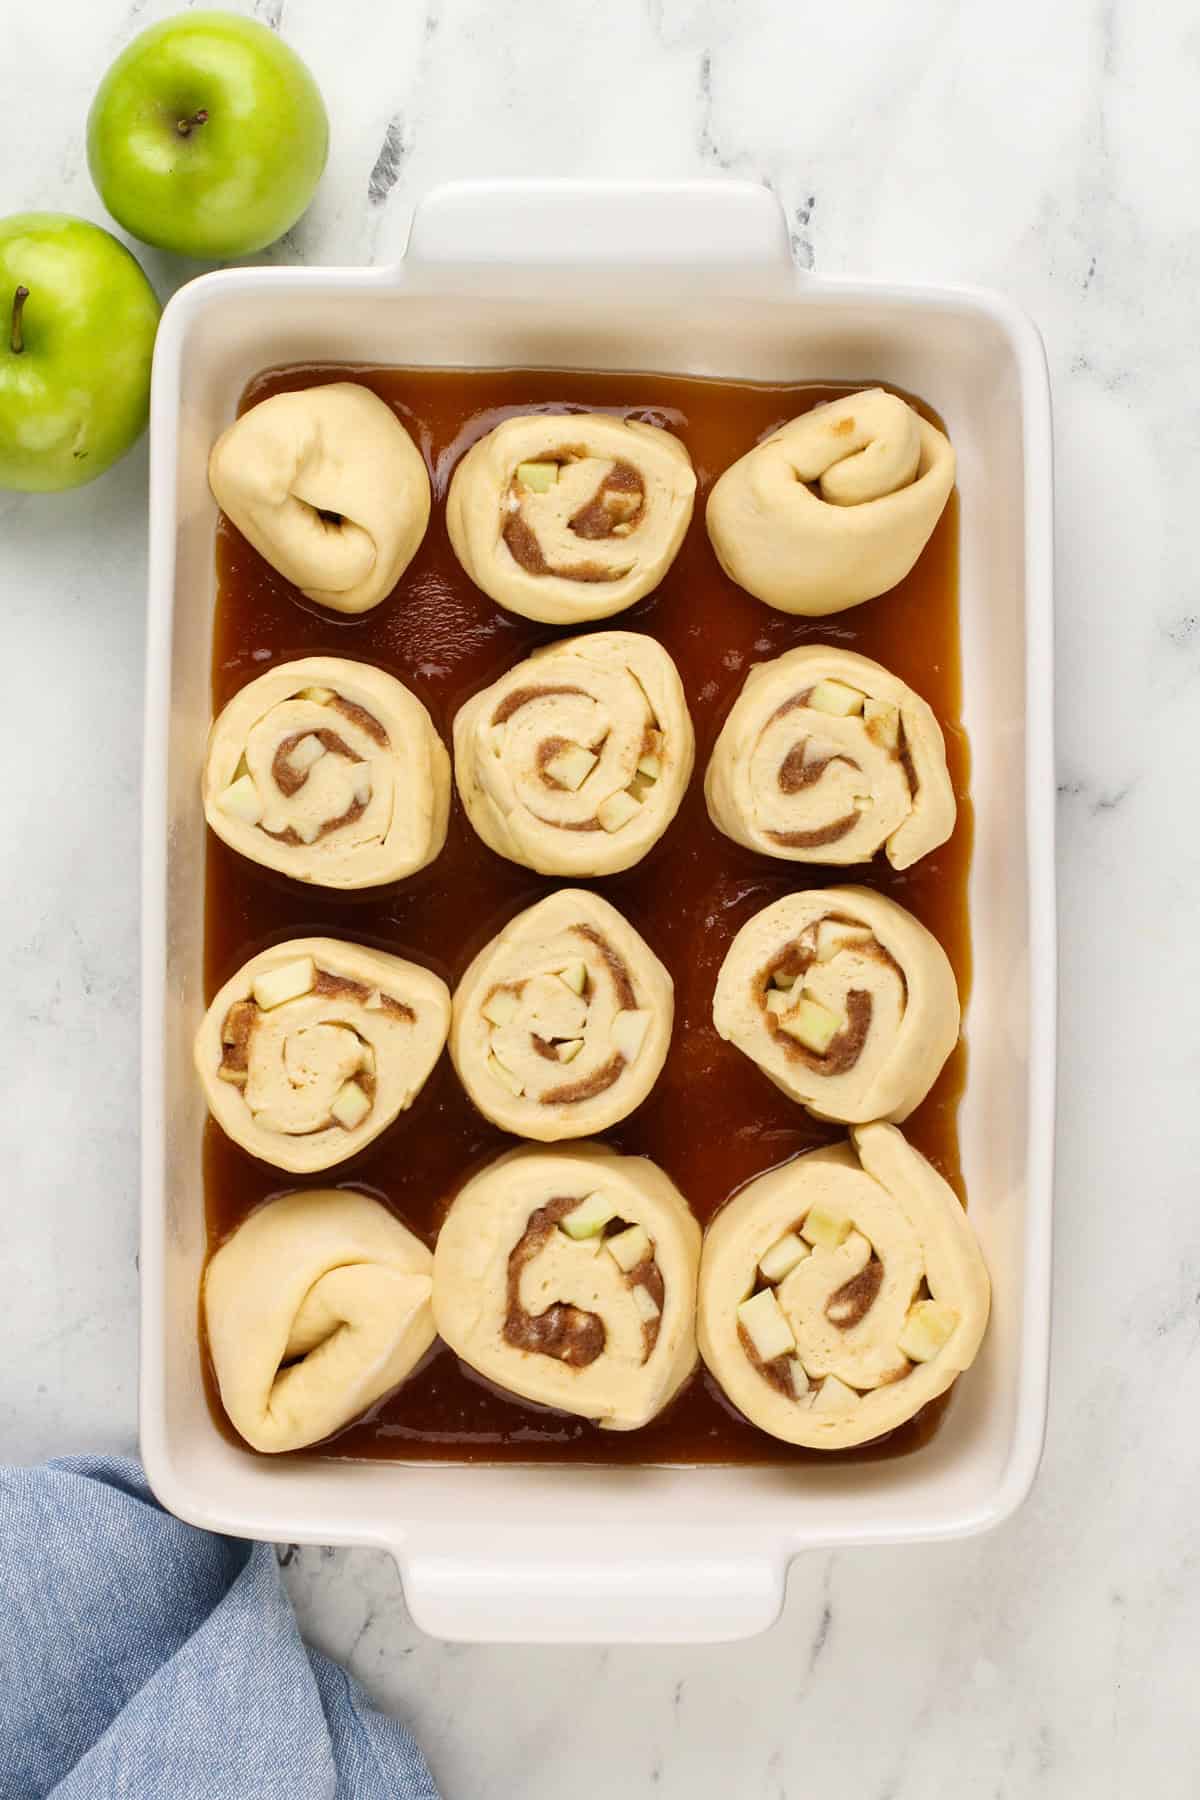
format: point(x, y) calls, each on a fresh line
point(562, 1023)
point(575, 761)
point(569, 1278)
point(843, 999)
point(315, 1046)
point(842, 1292)
point(826, 757)
point(331, 772)
point(566, 517)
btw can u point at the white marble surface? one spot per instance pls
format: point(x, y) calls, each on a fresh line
point(1048, 150)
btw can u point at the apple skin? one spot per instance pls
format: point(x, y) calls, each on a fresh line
point(235, 180)
point(77, 396)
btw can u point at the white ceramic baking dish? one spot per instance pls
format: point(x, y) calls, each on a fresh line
point(693, 278)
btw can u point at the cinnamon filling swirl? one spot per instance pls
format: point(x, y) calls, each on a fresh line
point(613, 511)
point(568, 1333)
point(565, 1332)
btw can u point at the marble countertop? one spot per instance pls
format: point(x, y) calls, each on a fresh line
point(1047, 150)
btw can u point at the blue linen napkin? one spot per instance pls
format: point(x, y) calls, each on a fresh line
point(144, 1659)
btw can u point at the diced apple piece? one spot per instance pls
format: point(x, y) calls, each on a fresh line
point(320, 696)
point(621, 530)
point(778, 1002)
point(927, 1329)
point(571, 767)
point(812, 1025)
point(629, 1032)
point(782, 1257)
point(836, 697)
point(238, 1077)
point(308, 751)
point(241, 801)
point(589, 1217)
point(307, 830)
point(781, 979)
point(883, 723)
point(350, 1106)
point(629, 1247)
point(366, 1059)
point(575, 976)
point(361, 775)
point(538, 477)
point(501, 1006)
point(647, 1306)
point(825, 1227)
point(569, 1049)
point(505, 1077)
point(834, 1396)
point(799, 1377)
point(765, 1324)
point(277, 986)
point(373, 1001)
point(617, 810)
point(834, 935)
point(650, 767)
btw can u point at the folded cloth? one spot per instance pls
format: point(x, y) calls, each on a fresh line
point(144, 1659)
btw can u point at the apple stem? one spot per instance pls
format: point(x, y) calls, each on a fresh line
point(184, 126)
point(15, 338)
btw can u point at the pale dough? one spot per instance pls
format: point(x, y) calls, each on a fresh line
point(365, 777)
point(316, 1307)
point(882, 476)
point(337, 451)
point(580, 548)
point(362, 1037)
point(907, 1247)
point(637, 1371)
point(614, 702)
point(867, 962)
point(791, 780)
point(562, 1023)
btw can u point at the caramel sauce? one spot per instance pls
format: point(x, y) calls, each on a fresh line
point(714, 1120)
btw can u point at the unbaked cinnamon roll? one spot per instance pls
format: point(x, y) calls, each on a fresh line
point(331, 772)
point(316, 1307)
point(835, 507)
point(828, 758)
point(575, 761)
point(566, 517)
point(569, 1278)
point(843, 999)
point(328, 486)
point(562, 1023)
point(315, 1046)
point(842, 1292)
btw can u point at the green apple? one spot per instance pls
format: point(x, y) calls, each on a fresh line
point(207, 136)
point(77, 324)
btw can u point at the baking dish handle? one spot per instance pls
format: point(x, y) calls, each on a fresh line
point(533, 1599)
point(736, 225)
